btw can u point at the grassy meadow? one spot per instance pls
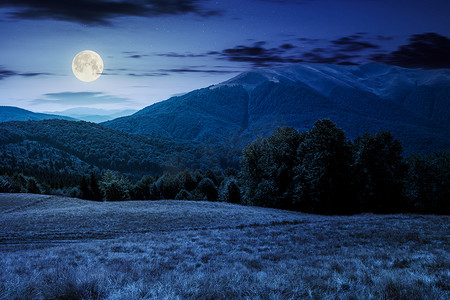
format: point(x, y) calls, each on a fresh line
point(65, 248)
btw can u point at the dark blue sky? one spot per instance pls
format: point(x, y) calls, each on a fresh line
point(155, 49)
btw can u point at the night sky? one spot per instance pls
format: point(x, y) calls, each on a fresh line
point(153, 50)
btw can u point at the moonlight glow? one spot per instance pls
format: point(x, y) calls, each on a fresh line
point(87, 66)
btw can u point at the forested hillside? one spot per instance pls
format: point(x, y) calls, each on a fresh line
point(412, 104)
point(66, 147)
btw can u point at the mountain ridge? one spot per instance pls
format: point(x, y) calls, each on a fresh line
point(413, 104)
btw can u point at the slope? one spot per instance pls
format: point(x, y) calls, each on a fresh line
point(67, 147)
point(413, 104)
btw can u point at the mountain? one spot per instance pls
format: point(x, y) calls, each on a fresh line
point(413, 104)
point(10, 113)
point(95, 115)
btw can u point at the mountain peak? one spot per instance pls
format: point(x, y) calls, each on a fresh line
point(324, 78)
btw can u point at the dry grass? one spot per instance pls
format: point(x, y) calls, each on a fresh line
point(200, 250)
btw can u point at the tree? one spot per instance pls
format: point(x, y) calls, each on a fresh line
point(229, 191)
point(208, 188)
point(167, 186)
point(19, 183)
point(85, 192)
point(5, 185)
point(380, 170)
point(32, 186)
point(115, 186)
point(94, 187)
point(183, 195)
point(141, 190)
point(267, 166)
point(324, 179)
point(154, 192)
point(186, 180)
point(90, 189)
point(427, 183)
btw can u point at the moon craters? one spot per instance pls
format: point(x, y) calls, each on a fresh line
point(87, 66)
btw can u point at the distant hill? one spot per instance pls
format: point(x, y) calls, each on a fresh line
point(95, 115)
point(10, 113)
point(413, 104)
point(49, 147)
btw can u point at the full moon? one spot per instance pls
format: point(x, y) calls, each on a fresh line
point(87, 66)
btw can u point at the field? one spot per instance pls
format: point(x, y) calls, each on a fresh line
point(64, 248)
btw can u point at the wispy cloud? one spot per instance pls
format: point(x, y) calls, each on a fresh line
point(180, 55)
point(352, 43)
point(9, 73)
point(427, 50)
point(101, 12)
point(258, 55)
point(193, 70)
point(6, 73)
point(148, 74)
point(345, 50)
point(288, 1)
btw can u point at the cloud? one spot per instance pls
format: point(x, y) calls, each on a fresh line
point(101, 12)
point(180, 55)
point(344, 50)
point(137, 55)
point(258, 55)
point(323, 56)
point(148, 74)
point(134, 54)
point(33, 74)
point(191, 70)
point(288, 1)
point(166, 72)
point(9, 73)
point(79, 98)
point(427, 50)
point(352, 43)
point(384, 38)
point(287, 46)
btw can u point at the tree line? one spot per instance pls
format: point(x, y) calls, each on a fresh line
point(315, 171)
point(320, 171)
